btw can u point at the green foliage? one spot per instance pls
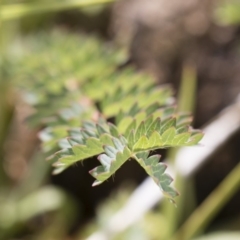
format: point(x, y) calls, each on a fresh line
point(156, 169)
point(76, 87)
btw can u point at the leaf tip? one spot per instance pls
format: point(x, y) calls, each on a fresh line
point(96, 183)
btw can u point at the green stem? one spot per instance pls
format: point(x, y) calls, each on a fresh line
point(5, 108)
point(205, 213)
point(187, 91)
point(14, 11)
point(1, 41)
point(186, 202)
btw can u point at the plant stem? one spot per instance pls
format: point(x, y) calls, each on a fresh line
point(186, 202)
point(187, 91)
point(205, 213)
point(3, 110)
point(14, 11)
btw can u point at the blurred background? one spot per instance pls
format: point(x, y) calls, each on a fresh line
point(45, 46)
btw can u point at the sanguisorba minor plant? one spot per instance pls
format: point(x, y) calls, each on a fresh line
point(75, 86)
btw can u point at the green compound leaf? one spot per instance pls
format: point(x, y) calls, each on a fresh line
point(123, 99)
point(61, 123)
point(150, 134)
point(92, 147)
point(113, 158)
point(82, 143)
point(140, 136)
point(66, 89)
point(156, 170)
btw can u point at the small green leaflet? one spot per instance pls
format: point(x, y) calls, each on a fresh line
point(156, 170)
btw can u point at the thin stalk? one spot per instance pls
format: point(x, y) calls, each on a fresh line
point(14, 11)
point(186, 97)
point(5, 110)
point(206, 212)
point(186, 201)
point(187, 91)
point(1, 41)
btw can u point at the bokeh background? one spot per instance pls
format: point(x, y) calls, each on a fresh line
point(192, 44)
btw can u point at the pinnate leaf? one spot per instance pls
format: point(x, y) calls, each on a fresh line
point(156, 170)
point(113, 158)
